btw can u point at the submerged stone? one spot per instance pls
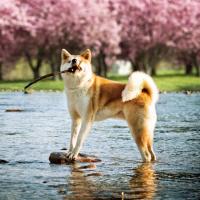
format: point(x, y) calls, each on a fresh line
point(61, 158)
point(14, 110)
point(3, 161)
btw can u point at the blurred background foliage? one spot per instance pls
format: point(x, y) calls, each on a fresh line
point(149, 34)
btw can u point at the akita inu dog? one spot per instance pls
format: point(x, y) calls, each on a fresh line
point(93, 98)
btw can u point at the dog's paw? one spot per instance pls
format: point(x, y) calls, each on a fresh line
point(68, 154)
point(71, 156)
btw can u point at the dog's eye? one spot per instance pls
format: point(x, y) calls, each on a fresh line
point(69, 61)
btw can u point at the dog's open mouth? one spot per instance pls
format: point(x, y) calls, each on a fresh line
point(74, 68)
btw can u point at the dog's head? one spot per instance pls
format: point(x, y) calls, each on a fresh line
point(75, 64)
point(78, 67)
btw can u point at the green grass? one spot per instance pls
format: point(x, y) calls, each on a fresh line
point(166, 80)
point(178, 83)
point(42, 85)
point(172, 83)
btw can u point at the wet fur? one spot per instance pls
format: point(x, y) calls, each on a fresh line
point(96, 98)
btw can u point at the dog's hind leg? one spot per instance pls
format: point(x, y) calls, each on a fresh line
point(144, 141)
point(142, 131)
point(150, 148)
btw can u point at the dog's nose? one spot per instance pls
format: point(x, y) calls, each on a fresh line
point(74, 61)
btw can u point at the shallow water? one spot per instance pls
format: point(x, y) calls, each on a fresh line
point(27, 138)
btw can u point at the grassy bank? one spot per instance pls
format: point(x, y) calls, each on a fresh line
point(166, 82)
point(175, 83)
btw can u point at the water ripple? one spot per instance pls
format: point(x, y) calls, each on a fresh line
point(27, 139)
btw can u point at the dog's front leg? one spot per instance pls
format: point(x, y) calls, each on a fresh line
point(85, 128)
point(75, 128)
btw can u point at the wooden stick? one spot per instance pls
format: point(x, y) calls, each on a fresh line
point(43, 77)
point(49, 75)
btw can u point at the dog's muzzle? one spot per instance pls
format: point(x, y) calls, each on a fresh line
point(74, 68)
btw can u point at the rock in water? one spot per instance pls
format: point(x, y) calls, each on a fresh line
point(3, 161)
point(61, 158)
point(57, 158)
point(14, 110)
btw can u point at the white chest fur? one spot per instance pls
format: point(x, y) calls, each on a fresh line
point(78, 100)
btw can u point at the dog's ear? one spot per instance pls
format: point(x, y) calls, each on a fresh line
point(65, 55)
point(87, 55)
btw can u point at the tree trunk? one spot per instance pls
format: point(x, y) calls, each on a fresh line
point(53, 67)
point(54, 63)
point(57, 66)
point(152, 68)
point(188, 68)
point(153, 71)
point(36, 73)
point(197, 66)
point(198, 70)
point(1, 71)
point(146, 62)
point(140, 63)
point(39, 59)
point(135, 66)
point(99, 66)
point(105, 66)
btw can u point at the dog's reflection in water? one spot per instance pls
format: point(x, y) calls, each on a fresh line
point(143, 183)
point(79, 186)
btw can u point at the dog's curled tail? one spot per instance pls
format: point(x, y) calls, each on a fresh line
point(137, 82)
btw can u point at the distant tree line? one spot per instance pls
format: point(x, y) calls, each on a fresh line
point(140, 31)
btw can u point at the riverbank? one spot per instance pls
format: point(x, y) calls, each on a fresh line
point(165, 83)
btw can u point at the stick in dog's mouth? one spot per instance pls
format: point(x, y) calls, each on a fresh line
point(74, 68)
point(70, 70)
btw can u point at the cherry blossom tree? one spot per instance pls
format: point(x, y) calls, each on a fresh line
point(142, 31)
point(74, 25)
point(10, 25)
point(186, 34)
point(39, 36)
point(90, 25)
point(153, 30)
